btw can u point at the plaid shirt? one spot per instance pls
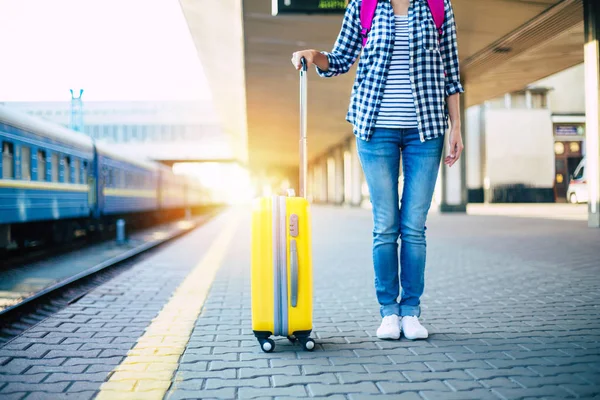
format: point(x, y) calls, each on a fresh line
point(434, 71)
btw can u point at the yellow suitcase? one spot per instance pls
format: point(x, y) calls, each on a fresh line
point(281, 278)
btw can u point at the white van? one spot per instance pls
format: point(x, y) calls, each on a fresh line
point(577, 192)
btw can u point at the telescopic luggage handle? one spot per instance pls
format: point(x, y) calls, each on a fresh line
point(303, 122)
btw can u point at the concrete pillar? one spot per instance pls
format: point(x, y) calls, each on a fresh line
point(347, 157)
point(356, 175)
point(338, 159)
point(454, 179)
point(310, 183)
point(321, 181)
point(592, 108)
point(331, 172)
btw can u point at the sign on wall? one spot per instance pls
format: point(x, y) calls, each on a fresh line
point(308, 6)
point(569, 130)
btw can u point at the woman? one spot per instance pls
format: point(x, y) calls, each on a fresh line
point(407, 84)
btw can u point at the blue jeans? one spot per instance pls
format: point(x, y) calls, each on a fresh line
point(380, 160)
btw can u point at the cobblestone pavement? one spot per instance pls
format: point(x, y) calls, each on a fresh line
point(70, 354)
point(512, 306)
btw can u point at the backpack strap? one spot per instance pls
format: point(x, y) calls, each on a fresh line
point(438, 12)
point(367, 12)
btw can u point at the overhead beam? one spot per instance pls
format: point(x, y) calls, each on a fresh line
point(550, 42)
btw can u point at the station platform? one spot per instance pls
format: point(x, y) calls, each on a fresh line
point(512, 305)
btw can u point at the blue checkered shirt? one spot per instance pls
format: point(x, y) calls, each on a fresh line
point(434, 70)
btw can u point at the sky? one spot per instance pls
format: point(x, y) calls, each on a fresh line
point(113, 49)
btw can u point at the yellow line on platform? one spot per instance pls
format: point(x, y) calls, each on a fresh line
point(147, 371)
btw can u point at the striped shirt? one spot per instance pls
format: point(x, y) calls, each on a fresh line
point(397, 109)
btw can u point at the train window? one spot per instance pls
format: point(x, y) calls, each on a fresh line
point(25, 163)
point(84, 173)
point(122, 181)
point(67, 168)
point(8, 153)
point(41, 165)
point(54, 167)
point(76, 167)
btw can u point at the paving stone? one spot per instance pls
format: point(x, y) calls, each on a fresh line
point(459, 385)
point(259, 382)
point(21, 365)
point(293, 391)
point(67, 353)
point(325, 390)
point(546, 370)
point(285, 380)
point(397, 396)
point(198, 366)
point(334, 397)
point(13, 387)
point(85, 387)
point(494, 373)
point(541, 391)
point(185, 375)
point(427, 376)
point(254, 372)
point(451, 366)
point(374, 368)
point(225, 393)
point(33, 378)
point(349, 377)
point(582, 390)
point(399, 387)
point(379, 360)
point(475, 394)
point(502, 382)
point(320, 369)
point(289, 362)
point(221, 365)
point(14, 396)
point(92, 377)
point(190, 357)
point(91, 361)
point(531, 382)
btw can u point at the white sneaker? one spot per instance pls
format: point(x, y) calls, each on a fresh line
point(389, 328)
point(413, 329)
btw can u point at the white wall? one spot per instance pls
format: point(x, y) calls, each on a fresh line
point(568, 94)
point(519, 147)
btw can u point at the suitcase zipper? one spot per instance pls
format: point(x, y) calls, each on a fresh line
point(283, 283)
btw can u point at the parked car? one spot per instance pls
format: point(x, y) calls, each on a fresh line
point(577, 192)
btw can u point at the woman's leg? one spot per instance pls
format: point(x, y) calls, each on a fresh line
point(420, 162)
point(380, 160)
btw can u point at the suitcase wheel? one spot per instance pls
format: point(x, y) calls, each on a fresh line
point(292, 338)
point(267, 345)
point(308, 344)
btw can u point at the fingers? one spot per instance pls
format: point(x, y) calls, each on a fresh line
point(297, 56)
point(456, 149)
point(296, 60)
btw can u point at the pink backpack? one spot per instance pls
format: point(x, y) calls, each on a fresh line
point(367, 12)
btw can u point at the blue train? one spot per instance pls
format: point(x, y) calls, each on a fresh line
point(56, 184)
